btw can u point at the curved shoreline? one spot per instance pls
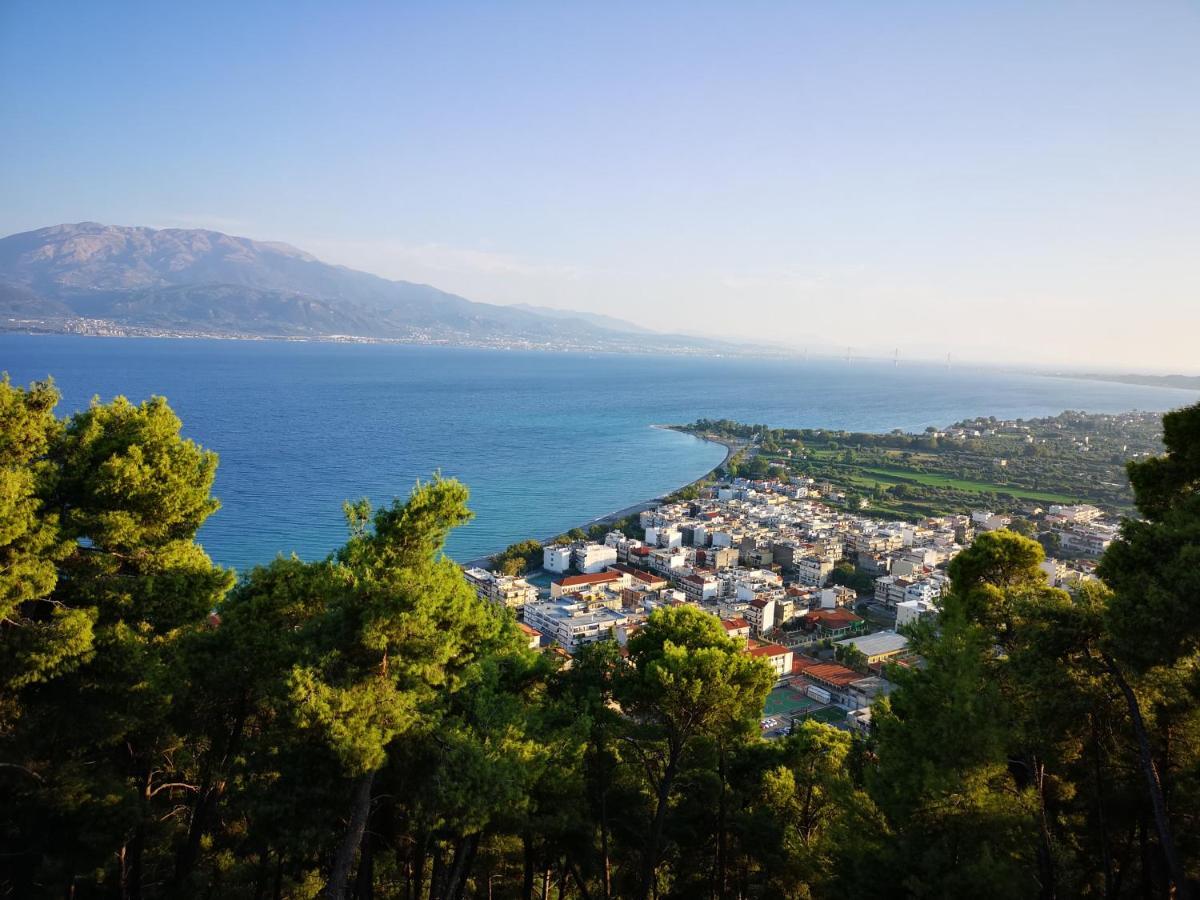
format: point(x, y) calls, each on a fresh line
point(732, 448)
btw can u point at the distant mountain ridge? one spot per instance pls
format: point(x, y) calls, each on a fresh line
point(195, 280)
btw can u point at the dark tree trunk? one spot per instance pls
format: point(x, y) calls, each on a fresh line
point(264, 873)
point(419, 866)
point(1101, 817)
point(722, 888)
point(1158, 803)
point(464, 859)
point(210, 793)
point(132, 853)
point(437, 878)
point(364, 880)
point(605, 865)
point(343, 860)
point(527, 867)
point(1046, 866)
point(575, 874)
point(650, 864)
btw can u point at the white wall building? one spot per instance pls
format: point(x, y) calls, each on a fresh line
point(813, 570)
point(592, 558)
point(572, 625)
point(909, 611)
point(556, 558)
point(761, 615)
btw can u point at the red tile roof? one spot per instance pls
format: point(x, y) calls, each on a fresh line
point(830, 673)
point(735, 624)
point(767, 650)
point(598, 578)
point(833, 618)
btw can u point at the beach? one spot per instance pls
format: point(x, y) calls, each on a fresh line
point(732, 448)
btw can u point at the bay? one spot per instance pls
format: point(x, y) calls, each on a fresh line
point(545, 441)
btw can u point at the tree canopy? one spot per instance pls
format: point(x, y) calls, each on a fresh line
point(365, 726)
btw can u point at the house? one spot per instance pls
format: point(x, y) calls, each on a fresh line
point(831, 623)
point(986, 520)
point(575, 584)
point(837, 597)
point(778, 656)
point(532, 634)
point(640, 578)
point(737, 628)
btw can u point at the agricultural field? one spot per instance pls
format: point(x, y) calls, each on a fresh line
point(1010, 466)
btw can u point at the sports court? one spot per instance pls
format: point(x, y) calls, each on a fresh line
point(788, 701)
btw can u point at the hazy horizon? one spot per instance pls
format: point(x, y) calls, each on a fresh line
point(1017, 185)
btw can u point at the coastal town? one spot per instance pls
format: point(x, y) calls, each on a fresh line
point(826, 595)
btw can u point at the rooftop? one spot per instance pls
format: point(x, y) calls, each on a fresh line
point(598, 578)
point(830, 673)
point(879, 644)
point(768, 650)
point(833, 618)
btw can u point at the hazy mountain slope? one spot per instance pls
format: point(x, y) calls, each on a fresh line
point(197, 280)
point(599, 320)
point(19, 302)
point(121, 273)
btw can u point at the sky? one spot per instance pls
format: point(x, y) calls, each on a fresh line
point(1013, 182)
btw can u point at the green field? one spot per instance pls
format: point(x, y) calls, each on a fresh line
point(898, 476)
point(830, 715)
point(784, 701)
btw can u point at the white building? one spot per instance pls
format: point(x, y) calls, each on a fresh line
point(592, 558)
point(701, 587)
point(1091, 540)
point(572, 625)
point(1084, 513)
point(578, 584)
point(776, 655)
point(986, 520)
point(813, 570)
point(761, 615)
point(556, 558)
point(909, 611)
point(749, 583)
point(837, 596)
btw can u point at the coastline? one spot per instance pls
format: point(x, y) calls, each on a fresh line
point(732, 448)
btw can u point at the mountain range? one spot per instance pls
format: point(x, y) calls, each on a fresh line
point(133, 280)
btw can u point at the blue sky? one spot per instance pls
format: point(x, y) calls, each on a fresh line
point(1013, 181)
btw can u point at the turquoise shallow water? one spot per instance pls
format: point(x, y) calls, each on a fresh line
point(544, 440)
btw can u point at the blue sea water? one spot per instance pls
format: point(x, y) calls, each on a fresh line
point(545, 441)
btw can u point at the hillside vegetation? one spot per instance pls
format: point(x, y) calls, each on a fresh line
point(364, 726)
point(1006, 465)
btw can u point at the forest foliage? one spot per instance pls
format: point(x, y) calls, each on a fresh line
point(363, 726)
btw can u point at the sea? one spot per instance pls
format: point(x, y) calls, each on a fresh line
point(545, 441)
